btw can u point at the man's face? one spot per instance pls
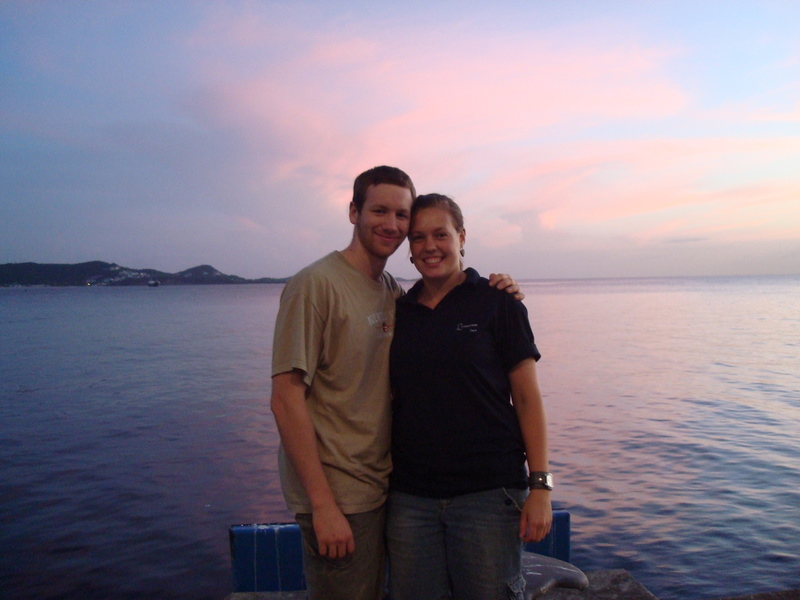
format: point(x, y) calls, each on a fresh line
point(382, 224)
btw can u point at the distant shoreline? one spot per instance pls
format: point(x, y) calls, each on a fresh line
point(99, 273)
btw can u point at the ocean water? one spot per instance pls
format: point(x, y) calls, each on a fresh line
point(135, 429)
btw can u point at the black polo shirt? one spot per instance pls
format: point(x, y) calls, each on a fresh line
point(454, 429)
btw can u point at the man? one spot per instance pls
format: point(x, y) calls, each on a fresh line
point(330, 393)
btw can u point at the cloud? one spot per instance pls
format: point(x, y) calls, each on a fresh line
point(355, 92)
point(239, 127)
point(619, 186)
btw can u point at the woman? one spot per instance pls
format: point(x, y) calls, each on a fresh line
point(459, 506)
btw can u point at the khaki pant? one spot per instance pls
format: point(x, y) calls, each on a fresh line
point(359, 576)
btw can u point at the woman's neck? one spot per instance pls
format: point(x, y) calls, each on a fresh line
point(434, 290)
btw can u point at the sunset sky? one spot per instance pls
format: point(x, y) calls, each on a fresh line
point(581, 138)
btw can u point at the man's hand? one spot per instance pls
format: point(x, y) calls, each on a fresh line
point(334, 535)
point(505, 282)
point(537, 516)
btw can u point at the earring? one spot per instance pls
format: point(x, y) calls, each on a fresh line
point(462, 251)
point(411, 258)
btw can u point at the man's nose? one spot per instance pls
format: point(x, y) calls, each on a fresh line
point(391, 222)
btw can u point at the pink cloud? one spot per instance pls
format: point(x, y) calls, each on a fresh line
point(647, 191)
point(472, 118)
point(339, 91)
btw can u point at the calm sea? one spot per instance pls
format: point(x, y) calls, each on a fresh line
point(135, 428)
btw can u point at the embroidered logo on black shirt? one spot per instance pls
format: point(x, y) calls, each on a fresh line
point(471, 328)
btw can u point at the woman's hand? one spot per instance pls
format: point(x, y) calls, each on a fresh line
point(537, 516)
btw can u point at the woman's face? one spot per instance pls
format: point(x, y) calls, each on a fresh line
point(435, 244)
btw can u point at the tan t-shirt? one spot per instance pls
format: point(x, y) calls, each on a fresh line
point(335, 324)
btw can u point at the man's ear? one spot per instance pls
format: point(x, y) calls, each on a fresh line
point(353, 213)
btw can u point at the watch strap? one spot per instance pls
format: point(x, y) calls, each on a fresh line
point(540, 480)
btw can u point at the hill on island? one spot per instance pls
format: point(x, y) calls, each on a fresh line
point(103, 273)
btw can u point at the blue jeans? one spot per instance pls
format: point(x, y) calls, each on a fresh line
point(358, 576)
point(465, 548)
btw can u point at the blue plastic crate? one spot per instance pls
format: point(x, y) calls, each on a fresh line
point(267, 558)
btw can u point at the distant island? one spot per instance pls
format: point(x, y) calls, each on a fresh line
point(110, 274)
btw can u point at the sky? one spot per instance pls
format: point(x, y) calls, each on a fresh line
point(580, 138)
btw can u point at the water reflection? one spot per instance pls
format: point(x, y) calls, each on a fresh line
point(671, 407)
point(136, 429)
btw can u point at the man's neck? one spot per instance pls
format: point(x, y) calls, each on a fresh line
point(371, 266)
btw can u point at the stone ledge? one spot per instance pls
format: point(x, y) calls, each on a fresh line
point(615, 584)
point(602, 585)
point(783, 595)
